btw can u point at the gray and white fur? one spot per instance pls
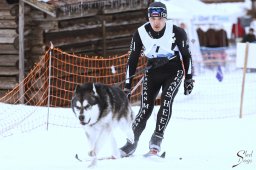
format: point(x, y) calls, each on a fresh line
point(100, 108)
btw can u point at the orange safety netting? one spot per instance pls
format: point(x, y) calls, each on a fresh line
point(53, 79)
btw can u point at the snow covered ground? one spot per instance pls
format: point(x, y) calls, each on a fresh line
point(190, 144)
point(204, 133)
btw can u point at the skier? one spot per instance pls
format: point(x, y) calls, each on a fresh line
point(162, 43)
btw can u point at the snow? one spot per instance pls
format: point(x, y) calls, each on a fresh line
point(205, 132)
point(207, 144)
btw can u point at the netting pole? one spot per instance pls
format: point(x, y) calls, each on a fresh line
point(243, 81)
point(49, 87)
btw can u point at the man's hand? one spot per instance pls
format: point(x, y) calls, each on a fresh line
point(188, 86)
point(127, 92)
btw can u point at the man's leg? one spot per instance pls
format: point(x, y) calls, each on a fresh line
point(170, 89)
point(150, 90)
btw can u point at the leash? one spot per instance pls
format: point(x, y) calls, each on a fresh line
point(141, 71)
point(137, 85)
point(157, 64)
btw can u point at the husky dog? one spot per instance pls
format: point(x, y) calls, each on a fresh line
point(99, 108)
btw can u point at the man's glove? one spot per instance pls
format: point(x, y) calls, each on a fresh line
point(127, 92)
point(188, 86)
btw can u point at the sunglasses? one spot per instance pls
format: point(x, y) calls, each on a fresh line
point(157, 12)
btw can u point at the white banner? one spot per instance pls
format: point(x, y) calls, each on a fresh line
point(240, 55)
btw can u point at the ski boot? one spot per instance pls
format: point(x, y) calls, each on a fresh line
point(155, 142)
point(128, 149)
point(154, 145)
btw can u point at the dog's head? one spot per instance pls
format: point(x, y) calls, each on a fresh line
point(85, 103)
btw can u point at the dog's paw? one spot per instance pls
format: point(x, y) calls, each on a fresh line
point(91, 153)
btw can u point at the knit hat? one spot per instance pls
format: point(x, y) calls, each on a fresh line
point(157, 9)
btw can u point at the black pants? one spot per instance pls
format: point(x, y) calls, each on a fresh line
point(169, 77)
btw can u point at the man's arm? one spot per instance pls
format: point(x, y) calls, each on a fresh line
point(134, 54)
point(183, 45)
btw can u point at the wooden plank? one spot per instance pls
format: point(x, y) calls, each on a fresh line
point(5, 14)
point(8, 83)
point(7, 35)
point(9, 60)
point(8, 49)
point(7, 32)
point(7, 39)
point(7, 17)
point(8, 24)
point(90, 22)
point(6, 7)
point(49, 9)
point(8, 71)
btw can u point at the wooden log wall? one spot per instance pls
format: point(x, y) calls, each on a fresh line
point(9, 55)
point(87, 35)
point(101, 32)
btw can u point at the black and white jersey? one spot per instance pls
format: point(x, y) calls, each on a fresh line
point(141, 43)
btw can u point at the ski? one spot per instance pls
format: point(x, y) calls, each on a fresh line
point(99, 159)
point(147, 155)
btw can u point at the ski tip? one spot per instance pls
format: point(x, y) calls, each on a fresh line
point(163, 155)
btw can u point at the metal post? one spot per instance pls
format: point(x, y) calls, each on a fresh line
point(49, 86)
point(21, 51)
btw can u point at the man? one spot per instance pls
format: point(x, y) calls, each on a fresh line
point(250, 37)
point(162, 43)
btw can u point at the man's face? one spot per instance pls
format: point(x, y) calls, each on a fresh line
point(157, 23)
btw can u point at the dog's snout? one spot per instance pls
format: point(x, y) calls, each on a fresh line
point(81, 117)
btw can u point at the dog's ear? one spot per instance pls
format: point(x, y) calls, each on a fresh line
point(94, 89)
point(77, 88)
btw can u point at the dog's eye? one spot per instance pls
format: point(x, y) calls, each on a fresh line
point(87, 107)
point(77, 107)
